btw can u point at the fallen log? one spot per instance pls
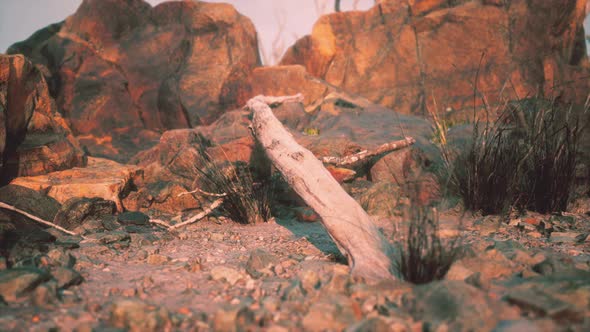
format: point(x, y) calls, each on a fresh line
point(369, 254)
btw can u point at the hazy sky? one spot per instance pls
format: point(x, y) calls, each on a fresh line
point(20, 18)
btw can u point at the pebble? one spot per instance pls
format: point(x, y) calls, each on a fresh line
point(228, 274)
point(157, 259)
point(17, 282)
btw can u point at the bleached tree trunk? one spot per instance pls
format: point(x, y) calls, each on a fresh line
point(369, 254)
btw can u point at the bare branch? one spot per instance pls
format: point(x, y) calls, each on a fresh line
point(199, 216)
point(357, 158)
point(37, 219)
point(198, 190)
point(160, 223)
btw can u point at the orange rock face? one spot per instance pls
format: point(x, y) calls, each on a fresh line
point(122, 71)
point(426, 54)
point(101, 178)
point(34, 138)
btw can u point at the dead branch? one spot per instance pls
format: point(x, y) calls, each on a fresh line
point(193, 219)
point(354, 160)
point(368, 252)
point(198, 190)
point(37, 219)
point(160, 223)
point(199, 216)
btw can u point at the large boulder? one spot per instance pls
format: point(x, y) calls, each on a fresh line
point(34, 138)
point(122, 72)
point(415, 56)
point(174, 165)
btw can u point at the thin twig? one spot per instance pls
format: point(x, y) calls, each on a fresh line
point(160, 223)
point(356, 158)
point(37, 219)
point(198, 190)
point(199, 216)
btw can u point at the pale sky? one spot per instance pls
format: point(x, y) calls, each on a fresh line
point(20, 18)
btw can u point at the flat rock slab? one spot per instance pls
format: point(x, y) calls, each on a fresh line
point(101, 178)
point(14, 283)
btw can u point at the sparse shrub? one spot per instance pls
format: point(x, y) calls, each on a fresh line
point(248, 194)
point(423, 255)
point(525, 158)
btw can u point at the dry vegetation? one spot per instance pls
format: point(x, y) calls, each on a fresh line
point(525, 158)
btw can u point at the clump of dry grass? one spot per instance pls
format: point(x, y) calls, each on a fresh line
point(248, 194)
point(523, 158)
point(423, 255)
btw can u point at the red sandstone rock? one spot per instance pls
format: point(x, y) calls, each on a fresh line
point(100, 178)
point(34, 138)
point(122, 71)
point(410, 55)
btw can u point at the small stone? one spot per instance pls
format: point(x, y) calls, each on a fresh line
point(66, 277)
point(277, 328)
point(516, 326)
point(563, 221)
point(133, 218)
point(539, 301)
point(68, 242)
point(369, 304)
point(225, 319)
point(17, 282)
point(157, 259)
point(137, 316)
point(59, 257)
point(216, 237)
point(260, 263)
point(141, 255)
point(109, 223)
point(453, 305)
point(514, 222)
point(76, 211)
point(532, 221)
point(271, 303)
point(339, 283)
point(112, 237)
point(310, 281)
point(320, 317)
point(535, 235)
point(458, 271)
point(194, 265)
point(294, 291)
point(45, 294)
point(245, 317)
point(550, 265)
point(375, 324)
point(228, 274)
point(566, 237)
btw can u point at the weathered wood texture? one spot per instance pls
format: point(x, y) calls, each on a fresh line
point(369, 254)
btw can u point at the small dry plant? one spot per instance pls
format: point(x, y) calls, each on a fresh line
point(248, 195)
point(423, 255)
point(523, 157)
